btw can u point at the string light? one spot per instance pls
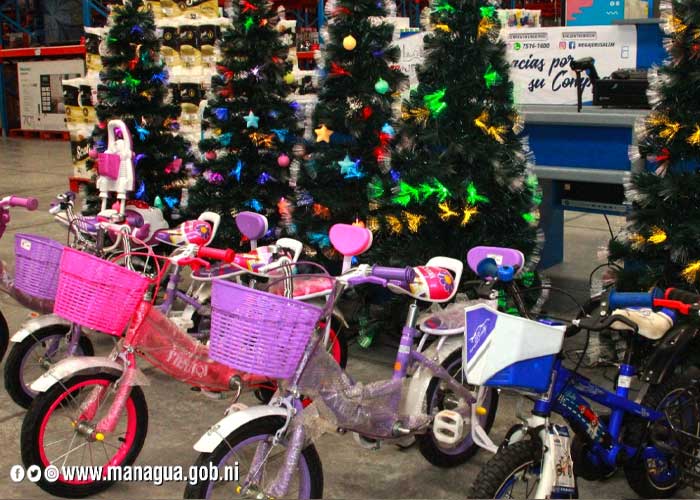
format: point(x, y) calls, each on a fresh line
point(694, 138)
point(491, 77)
point(691, 272)
point(419, 115)
point(446, 213)
point(469, 213)
point(395, 225)
point(434, 102)
point(473, 196)
point(413, 221)
point(658, 236)
point(496, 133)
point(486, 25)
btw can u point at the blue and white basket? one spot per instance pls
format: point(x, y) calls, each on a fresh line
point(508, 351)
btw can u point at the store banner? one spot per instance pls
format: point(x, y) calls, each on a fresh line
point(540, 59)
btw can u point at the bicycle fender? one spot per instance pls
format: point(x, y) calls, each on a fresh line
point(72, 366)
point(667, 353)
point(33, 325)
point(414, 402)
point(218, 432)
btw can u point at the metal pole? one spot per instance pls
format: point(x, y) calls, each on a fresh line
point(3, 102)
point(87, 8)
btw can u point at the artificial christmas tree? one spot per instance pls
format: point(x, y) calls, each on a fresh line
point(660, 245)
point(462, 176)
point(353, 124)
point(134, 89)
point(249, 157)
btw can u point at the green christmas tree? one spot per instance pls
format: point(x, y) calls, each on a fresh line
point(660, 246)
point(463, 177)
point(353, 124)
point(249, 157)
point(134, 89)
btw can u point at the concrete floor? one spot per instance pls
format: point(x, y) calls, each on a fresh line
point(179, 416)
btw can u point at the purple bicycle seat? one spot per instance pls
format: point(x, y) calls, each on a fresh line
point(502, 256)
point(251, 225)
point(350, 240)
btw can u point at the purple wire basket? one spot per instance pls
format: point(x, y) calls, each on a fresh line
point(37, 265)
point(258, 332)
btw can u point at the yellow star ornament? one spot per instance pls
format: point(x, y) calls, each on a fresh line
point(323, 134)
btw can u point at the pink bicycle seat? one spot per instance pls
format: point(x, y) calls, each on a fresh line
point(502, 256)
point(197, 232)
point(251, 225)
point(350, 241)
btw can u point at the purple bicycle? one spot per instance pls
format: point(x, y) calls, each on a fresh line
point(24, 288)
point(262, 333)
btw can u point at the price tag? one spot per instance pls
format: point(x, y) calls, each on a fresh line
point(564, 479)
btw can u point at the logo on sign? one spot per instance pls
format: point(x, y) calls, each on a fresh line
point(480, 324)
point(517, 46)
point(572, 45)
point(562, 45)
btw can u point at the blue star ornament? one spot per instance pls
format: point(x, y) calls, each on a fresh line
point(252, 121)
point(346, 165)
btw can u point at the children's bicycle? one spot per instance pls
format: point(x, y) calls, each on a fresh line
point(97, 400)
point(525, 356)
point(426, 398)
point(36, 273)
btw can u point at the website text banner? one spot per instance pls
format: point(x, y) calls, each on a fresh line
point(540, 59)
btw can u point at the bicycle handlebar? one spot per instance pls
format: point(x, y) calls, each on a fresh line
point(30, 204)
point(621, 300)
point(227, 255)
point(595, 325)
point(689, 298)
point(402, 274)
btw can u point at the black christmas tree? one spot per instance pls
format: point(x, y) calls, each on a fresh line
point(660, 245)
point(134, 89)
point(250, 162)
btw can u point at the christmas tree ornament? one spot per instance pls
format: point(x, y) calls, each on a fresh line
point(174, 166)
point(382, 86)
point(375, 189)
point(249, 23)
point(283, 161)
point(413, 221)
point(443, 27)
point(491, 77)
point(486, 27)
point(321, 211)
point(446, 213)
point(251, 120)
point(473, 196)
point(262, 140)
point(395, 225)
point(323, 134)
point(658, 236)
point(691, 272)
point(221, 114)
point(434, 102)
point(210, 155)
point(468, 214)
point(443, 6)
point(349, 42)
point(388, 130)
point(289, 78)
point(419, 115)
point(158, 203)
point(237, 170)
point(670, 130)
point(367, 112)
point(338, 70)
point(404, 193)
point(694, 138)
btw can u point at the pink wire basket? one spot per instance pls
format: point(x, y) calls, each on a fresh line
point(96, 293)
point(37, 265)
point(258, 332)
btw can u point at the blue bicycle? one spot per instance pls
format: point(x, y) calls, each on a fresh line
point(540, 460)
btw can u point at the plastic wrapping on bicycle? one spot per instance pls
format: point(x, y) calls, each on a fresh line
point(597, 325)
point(227, 255)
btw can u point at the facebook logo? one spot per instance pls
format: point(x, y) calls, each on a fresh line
point(572, 45)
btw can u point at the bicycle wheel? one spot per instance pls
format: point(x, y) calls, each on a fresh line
point(439, 397)
point(4, 336)
point(239, 449)
point(513, 472)
point(35, 355)
point(55, 433)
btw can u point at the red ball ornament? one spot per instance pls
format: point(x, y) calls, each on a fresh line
point(93, 154)
point(210, 155)
point(283, 161)
point(367, 112)
point(102, 125)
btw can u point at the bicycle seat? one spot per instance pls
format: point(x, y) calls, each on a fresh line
point(350, 241)
point(437, 281)
point(252, 225)
point(502, 257)
point(652, 325)
point(197, 232)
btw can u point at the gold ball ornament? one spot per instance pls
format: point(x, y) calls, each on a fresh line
point(289, 78)
point(349, 42)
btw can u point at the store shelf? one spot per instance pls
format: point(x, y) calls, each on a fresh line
point(30, 52)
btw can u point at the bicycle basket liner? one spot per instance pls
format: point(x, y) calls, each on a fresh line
point(36, 268)
point(96, 293)
point(258, 332)
point(508, 351)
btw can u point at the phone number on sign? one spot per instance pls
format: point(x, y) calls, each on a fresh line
point(155, 474)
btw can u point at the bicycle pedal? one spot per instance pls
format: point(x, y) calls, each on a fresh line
point(448, 427)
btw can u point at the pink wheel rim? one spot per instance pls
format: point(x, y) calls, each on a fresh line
point(120, 454)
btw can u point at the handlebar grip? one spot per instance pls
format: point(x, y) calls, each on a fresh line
point(30, 204)
point(215, 254)
point(621, 300)
point(405, 274)
point(682, 296)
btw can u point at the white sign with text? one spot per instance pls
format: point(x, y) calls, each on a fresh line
point(540, 59)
